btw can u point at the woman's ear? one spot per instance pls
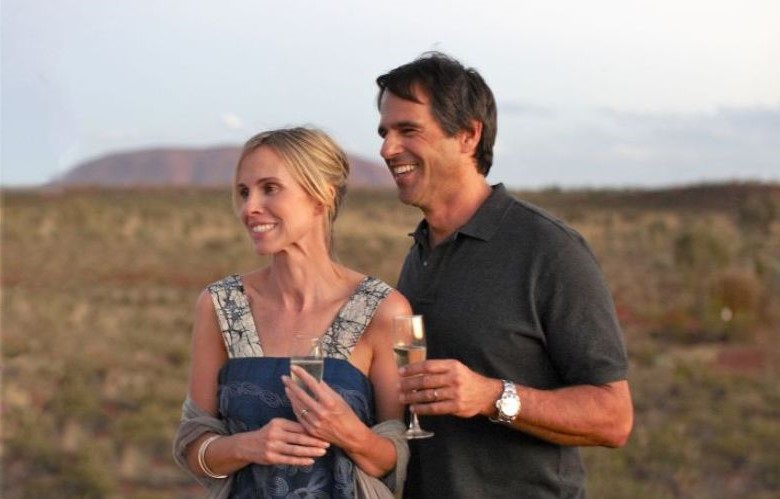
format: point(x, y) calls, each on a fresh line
point(320, 207)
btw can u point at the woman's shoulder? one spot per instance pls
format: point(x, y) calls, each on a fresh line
point(236, 281)
point(229, 289)
point(392, 305)
point(227, 282)
point(389, 297)
point(389, 301)
point(379, 330)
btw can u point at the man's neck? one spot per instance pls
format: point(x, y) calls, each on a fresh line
point(447, 216)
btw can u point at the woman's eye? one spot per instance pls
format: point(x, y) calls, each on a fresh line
point(270, 188)
point(243, 192)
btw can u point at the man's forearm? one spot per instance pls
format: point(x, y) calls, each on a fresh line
point(583, 415)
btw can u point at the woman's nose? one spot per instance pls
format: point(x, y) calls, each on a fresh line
point(253, 203)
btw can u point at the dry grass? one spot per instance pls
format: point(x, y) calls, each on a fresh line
point(98, 289)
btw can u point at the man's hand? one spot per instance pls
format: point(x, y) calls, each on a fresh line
point(446, 386)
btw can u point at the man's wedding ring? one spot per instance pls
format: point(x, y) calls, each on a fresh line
point(303, 412)
point(435, 395)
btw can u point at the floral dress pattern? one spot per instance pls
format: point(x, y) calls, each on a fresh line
point(251, 392)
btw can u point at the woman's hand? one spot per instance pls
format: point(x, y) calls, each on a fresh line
point(281, 441)
point(328, 417)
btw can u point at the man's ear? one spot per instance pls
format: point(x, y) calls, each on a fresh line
point(469, 137)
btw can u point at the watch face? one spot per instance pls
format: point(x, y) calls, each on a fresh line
point(510, 406)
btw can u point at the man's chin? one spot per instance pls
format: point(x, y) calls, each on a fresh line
point(406, 197)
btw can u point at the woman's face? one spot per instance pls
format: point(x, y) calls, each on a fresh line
point(276, 211)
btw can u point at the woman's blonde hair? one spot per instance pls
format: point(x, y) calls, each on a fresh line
point(314, 160)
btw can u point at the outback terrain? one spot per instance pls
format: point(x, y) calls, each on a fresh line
point(98, 288)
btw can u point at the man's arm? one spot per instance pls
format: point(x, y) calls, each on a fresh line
point(578, 415)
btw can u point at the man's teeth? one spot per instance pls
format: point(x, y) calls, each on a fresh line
point(263, 227)
point(400, 170)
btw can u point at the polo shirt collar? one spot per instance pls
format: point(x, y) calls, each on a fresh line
point(486, 220)
point(484, 224)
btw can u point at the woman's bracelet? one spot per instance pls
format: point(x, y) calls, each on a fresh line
point(202, 457)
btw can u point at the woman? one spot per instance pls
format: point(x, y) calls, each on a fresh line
point(247, 430)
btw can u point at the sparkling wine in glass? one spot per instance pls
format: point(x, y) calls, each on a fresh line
point(306, 353)
point(409, 347)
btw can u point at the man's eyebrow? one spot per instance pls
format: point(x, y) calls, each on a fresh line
point(382, 129)
point(407, 124)
point(398, 124)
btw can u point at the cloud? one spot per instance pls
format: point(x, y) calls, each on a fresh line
point(512, 108)
point(116, 135)
point(609, 148)
point(232, 121)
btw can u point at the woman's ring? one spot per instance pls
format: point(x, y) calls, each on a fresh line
point(303, 412)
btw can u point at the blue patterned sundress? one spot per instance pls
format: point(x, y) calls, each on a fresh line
point(251, 392)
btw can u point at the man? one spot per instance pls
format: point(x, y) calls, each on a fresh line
point(526, 359)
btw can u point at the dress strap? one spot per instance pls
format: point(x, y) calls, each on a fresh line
point(353, 318)
point(235, 318)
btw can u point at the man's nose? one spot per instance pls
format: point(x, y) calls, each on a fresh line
point(390, 146)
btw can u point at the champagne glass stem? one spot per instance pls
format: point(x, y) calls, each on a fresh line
point(415, 431)
point(414, 423)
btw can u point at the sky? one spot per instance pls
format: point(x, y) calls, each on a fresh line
point(598, 93)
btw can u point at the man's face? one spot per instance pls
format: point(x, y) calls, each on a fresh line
point(421, 157)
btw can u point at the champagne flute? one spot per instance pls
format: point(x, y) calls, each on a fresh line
point(409, 347)
point(306, 352)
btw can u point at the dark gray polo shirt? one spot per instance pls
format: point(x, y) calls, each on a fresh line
point(514, 294)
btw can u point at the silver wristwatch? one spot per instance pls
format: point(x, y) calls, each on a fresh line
point(508, 404)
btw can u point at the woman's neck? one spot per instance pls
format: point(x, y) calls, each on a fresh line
point(299, 280)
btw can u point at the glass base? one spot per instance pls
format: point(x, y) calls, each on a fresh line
point(413, 434)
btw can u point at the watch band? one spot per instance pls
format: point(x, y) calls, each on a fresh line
point(510, 398)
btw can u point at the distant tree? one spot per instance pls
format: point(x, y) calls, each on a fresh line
point(758, 212)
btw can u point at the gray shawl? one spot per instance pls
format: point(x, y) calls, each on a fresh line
point(195, 422)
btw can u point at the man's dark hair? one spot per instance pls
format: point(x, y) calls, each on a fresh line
point(458, 95)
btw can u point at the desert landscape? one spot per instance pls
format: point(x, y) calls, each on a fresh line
point(98, 288)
